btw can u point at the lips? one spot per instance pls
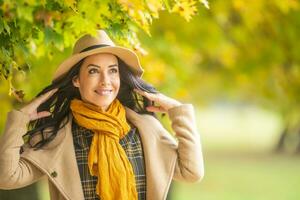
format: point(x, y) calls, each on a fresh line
point(103, 91)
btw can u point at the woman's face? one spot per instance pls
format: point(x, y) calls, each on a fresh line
point(99, 79)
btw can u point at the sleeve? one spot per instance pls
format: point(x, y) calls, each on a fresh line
point(189, 165)
point(15, 172)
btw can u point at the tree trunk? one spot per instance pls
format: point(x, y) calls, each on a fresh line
point(297, 150)
point(280, 145)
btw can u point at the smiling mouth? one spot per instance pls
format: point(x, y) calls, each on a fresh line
point(103, 92)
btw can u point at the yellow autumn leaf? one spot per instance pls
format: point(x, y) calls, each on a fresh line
point(131, 4)
point(185, 8)
point(155, 6)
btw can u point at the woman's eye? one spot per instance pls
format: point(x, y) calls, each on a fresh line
point(114, 70)
point(92, 71)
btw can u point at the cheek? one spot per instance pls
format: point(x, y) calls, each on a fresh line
point(86, 87)
point(117, 84)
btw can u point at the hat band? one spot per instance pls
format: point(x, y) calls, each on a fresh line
point(94, 47)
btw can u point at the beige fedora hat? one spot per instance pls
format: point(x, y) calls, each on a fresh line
point(88, 45)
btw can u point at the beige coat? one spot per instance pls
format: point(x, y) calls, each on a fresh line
point(165, 157)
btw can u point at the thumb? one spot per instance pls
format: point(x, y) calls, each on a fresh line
point(155, 109)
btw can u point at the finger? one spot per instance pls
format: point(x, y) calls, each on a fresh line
point(42, 114)
point(156, 109)
point(140, 92)
point(44, 97)
point(150, 96)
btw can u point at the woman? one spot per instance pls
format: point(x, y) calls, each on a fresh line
point(93, 132)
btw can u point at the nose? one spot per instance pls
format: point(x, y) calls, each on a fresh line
point(104, 79)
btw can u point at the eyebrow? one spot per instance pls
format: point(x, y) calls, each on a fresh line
point(93, 65)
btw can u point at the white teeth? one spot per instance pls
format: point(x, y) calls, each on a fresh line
point(104, 92)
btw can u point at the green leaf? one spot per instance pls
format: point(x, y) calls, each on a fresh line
point(53, 38)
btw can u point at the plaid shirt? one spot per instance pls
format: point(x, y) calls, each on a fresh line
point(131, 143)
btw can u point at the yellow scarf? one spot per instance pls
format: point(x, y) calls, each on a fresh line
point(107, 159)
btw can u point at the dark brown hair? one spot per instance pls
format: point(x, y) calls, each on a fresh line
point(59, 103)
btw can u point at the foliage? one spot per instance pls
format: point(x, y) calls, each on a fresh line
point(30, 29)
point(234, 51)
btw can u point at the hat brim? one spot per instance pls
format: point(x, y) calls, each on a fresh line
point(127, 55)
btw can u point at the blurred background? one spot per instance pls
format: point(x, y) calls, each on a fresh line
point(238, 63)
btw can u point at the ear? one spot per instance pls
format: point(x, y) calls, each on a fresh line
point(75, 81)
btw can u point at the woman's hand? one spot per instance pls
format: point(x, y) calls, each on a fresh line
point(164, 103)
point(31, 108)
